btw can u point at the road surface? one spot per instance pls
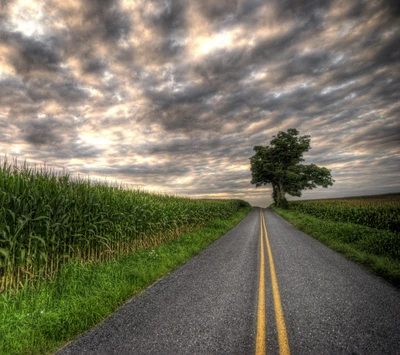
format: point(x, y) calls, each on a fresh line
point(263, 288)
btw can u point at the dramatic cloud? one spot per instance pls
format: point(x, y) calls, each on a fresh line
point(173, 95)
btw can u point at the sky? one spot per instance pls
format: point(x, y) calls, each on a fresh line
point(172, 96)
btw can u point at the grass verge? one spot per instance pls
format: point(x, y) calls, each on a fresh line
point(40, 321)
point(364, 245)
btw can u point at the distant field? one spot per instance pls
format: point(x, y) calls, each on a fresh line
point(379, 211)
point(366, 229)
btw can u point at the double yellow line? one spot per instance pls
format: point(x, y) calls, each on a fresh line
point(279, 319)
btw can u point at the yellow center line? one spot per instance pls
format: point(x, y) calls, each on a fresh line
point(260, 339)
point(280, 321)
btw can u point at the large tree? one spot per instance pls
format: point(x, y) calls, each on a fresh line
point(279, 164)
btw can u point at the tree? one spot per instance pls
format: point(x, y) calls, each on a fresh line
point(279, 165)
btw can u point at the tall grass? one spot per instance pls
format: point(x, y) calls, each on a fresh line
point(48, 219)
point(377, 218)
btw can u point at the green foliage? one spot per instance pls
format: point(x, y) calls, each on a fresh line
point(39, 321)
point(279, 164)
point(366, 229)
point(380, 212)
point(48, 219)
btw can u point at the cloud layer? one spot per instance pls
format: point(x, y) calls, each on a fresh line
point(172, 96)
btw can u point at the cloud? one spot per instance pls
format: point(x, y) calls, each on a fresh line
point(33, 54)
point(173, 96)
point(105, 19)
point(167, 16)
point(42, 133)
point(95, 65)
point(213, 10)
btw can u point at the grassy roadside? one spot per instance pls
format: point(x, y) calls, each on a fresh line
point(364, 245)
point(39, 322)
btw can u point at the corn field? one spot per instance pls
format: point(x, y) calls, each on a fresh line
point(48, 219)
point(372, 223)
point(380, 212)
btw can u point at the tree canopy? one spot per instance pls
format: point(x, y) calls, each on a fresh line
point(279, 164)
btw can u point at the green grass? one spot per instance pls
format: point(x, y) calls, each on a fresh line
point(40, 321)
point(376, 249)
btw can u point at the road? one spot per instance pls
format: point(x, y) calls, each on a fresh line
point(262, 288)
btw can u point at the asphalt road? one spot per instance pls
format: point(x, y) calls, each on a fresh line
point(211, 304)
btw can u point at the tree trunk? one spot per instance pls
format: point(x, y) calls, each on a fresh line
point(274, 193)
point(280, 201)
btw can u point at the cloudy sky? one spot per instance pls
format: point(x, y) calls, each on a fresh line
point(173, 95)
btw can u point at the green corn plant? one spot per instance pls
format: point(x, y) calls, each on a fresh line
point(48, 219)
point(382, 213)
